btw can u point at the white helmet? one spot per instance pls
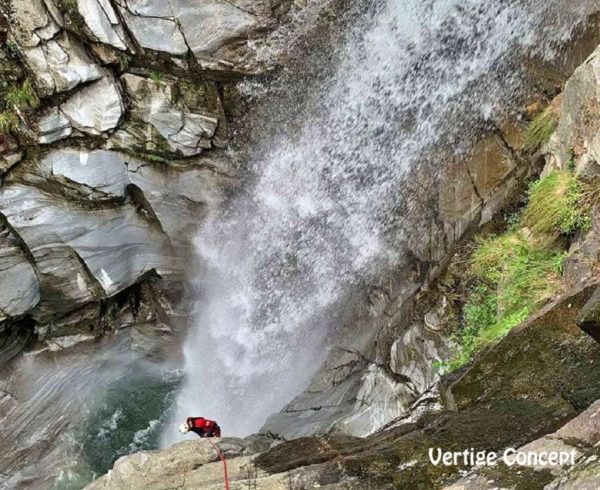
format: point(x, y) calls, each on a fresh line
point(183, 428)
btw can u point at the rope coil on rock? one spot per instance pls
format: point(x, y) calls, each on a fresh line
point(222, 458)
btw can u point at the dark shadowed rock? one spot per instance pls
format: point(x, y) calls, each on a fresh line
point(589, 318)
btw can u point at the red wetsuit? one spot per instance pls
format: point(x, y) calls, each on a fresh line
point(203, 427)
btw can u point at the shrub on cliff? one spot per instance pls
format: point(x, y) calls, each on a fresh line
point(15, 100)
point(515, 273)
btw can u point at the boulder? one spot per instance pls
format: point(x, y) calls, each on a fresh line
point(154, 32)
point(102, 20)
point(209, 25)
point(95, 108)
point(170, 468)
point(60, 64)
point(171, 117)
point(33, 23)
point(104, 172)
point(53, 126)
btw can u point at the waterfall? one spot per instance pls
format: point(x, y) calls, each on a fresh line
point(326, 209)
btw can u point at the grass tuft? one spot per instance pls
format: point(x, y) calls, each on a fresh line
point(541, 128)
point(23, 97)
point(556, 206)
point(16, 100)
point(124, 61)
point(513, 278)
point(8, 122)
point(157, 77)
point(515, 273)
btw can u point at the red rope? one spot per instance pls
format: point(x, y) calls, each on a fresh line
point(222, 458)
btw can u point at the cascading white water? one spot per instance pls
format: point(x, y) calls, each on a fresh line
point(323, 211)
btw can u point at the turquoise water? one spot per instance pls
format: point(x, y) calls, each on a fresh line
point(128, 418)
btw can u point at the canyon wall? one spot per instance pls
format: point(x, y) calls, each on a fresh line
point(116, 145)
point(535, 390)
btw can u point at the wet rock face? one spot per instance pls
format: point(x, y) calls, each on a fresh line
point(19, 285)
point(376, 371)
point(88, 228)
point(85, 222)
point(576, 140)
point(498, 404)
point(108, 169)
point(172, 117)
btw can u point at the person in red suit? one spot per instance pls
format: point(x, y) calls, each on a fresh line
point(202, 427)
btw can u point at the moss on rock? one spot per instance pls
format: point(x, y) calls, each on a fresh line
point(540, 376)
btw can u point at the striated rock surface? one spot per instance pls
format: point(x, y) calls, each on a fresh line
point(96, 108)
point(167, 116)
point(19, 285)
point(101, 19)
point(96, 222)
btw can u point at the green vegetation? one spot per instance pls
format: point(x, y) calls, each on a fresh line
point(8, 122)
point(512, 279)
point(73, 18)
point(23, 97)
point(124, 61)
point(69, 5)
point(555, 206)
point(11, 49)
point(16, 99)
point(512, 275)
point(157, 77)
point(540, 129)
point(149, 157)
